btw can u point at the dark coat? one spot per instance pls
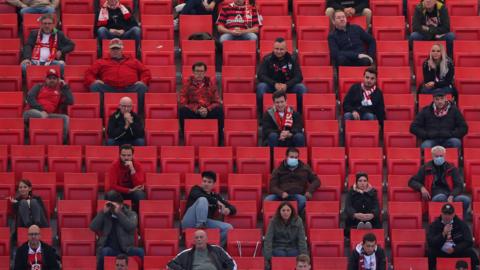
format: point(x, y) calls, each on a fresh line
point(212, 198)
point(429, 75)
point(49, 256)
point(285, 235)
point(116, 127)
point(353, 102)
point(439, 183)
point(362, 202)
point(358, 5)
point(354, 258)
point(65, 45)
point(117, 21)
point(269, 124)
point(219, 257)
point(273, 70)
point(461, 235)
point(350, 43)
point(296, 181)
point(419, 19)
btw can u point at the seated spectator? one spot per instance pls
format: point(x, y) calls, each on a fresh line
point(350, 8)
point(202, 255)
point(35, 7)
point(347, 43)
point(119, 73)
point(114, 20)
point(440, 123)
point(450, 237)
point(121, 262)
point(36, 254)
point(461, 265)
point(238, 21)
point(440, 180)
point(303, 262)
point(293, 180)
point(438, 72)
point(50, 100)
point(285, 235)
point(280, 71)
point(198, 7)
point(431, 22)
point(199, 98)
point(27, 207)
point(46, 46)
point(281, 125)
point(364, 101)
point(361, 205)
point(125, 126)
point(367, 255)
point(127, 177)
point(116, 227)
point(203, 205)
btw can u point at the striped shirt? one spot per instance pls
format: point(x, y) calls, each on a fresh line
point(244, 17)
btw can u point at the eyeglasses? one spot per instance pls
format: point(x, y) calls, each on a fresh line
point(33, 234)
point(125, 106)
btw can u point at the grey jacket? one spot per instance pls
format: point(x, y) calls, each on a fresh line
point(127, 221)
point(285, 235)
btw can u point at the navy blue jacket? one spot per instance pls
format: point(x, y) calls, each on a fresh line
point(350, 43)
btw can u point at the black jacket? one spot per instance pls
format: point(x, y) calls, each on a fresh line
point(269, 124)
point(273, 70)
point(353, 102)
point(358, 5)
point(429, 75)
point(354, 258)
point(439, 183)
point(49, 257)
point(461, 236)
point(65, 45)
point(350, 43)
point(213, 198)
point(117, 21)
point(219, 257)
point(427, 126)
point(420, 18)
point(365, 202)
point(296, 181)
point(116, 127)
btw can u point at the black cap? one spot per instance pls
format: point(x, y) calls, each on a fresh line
point(114, 196)
point(448, 209)
point(439, 92)
point(461, 264)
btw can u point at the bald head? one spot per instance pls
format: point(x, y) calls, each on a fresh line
point(125, 104)
point(34, 236)
point(200, 239)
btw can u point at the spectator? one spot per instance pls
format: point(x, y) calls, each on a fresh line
point(238, 21)
point(50, 100)
point(46, 46)
point(127, 177)
point(36, 6)
point(347, 43)
point(203, 205)
point(440, 123)
point(431, 22)
point(285, 235)
point(438, 72)
point(198, 7)
point(119, 73)
point(461, 265)
point(303, 262)
point(364, 101)
point(293, 180)
point(280, 71)
point(28, 208)
point(282, 126)
point(115, 224)
point(36, 254)
point(440, 180)
point(448, 236)
point(121, 262)
point(361, 205)
point(125, 126)
point(202, 255)
point(350, 8)
point(367, 255)
point(199, 98)
point(114, 20)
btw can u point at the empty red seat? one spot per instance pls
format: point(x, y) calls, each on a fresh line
point(85, 131)
point(147, 157)
point(77, 7)
point(361, 133)
point(4, 207)
point(36, 74)
point(64, 158)
point(472, 139)
point(466, 81)
point(471, 157)
point(238, 79)
point(78, 26)
point(328, 160)
point(87, 105)
point(81, 186)
point(158, 52)
point(156, 262)
point(239, 53)
point(276, 26)
point(330, 263)
point(217, 159)
point(308, 8)
point(75, 78)
point(12, 131)
point(318, 79)
point(9, 27)
point(194, 51)
point(253, 160)
point(319, 107)
point(313, 53)
point(399, 107)
point(79, 262)
point(408, 263)
point(154, 7)
point(250, 263)
point(326, 242)
point(157, 27)
point(244, 242)
point(322, 214)
point(161, 105)
point(403, 161)
point(27, 158)
point(160, 132)
point(11, 79)
point(283, 263)
point(10, 50)
point(398, 189)
point(347, 76)
point(189, 24)
point(46, 131)
point(177, 159)
point(99, 159)
point(312, 27)
point(465, 53)
point(397, 134)
point(74, 213)
point(322, 133)
point(163, 186)
point(388, 27)
point(155, 214)
point(394, 80)
point(330, 189)
point(239, 132)
point(245, 187)
point(3, 158)
point(408, 243)
point(475, 216)
point(7, 188)
point(12, 104)
point(405, 215)
point(201, 132)
point(246, 216)
point(392, 53)
point(85, 52)
point(366, 159)
point(239, 105)
point(387, 8)
point(465, 27)
point(272, 8)
point(470, 108)
point(163, 79)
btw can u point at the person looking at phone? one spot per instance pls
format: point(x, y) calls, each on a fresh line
point(127, 177)
point(115, 224)
point(125, 126)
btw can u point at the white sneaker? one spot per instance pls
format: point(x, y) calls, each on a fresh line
point(368, 225)
point(361, 225)
point(175, 24)
point(179, 8)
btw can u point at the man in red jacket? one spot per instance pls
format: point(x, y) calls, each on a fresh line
point(127, 177)
point(119, 73)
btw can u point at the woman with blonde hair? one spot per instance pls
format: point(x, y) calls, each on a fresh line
point(438, 72)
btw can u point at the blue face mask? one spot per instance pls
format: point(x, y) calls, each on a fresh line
point(439, 161)
point(292, 162)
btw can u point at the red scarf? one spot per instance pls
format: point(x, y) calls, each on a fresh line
point(368, 92)
point(35, 258)
point(443, 111)
point(286, 121)
point(103, 15)
point(52, 45)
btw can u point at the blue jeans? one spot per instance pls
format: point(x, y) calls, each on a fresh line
point(284, 252)
point(459, 198)
point(246, 36)
point(297, 140)
point(447, 143)
point(133, 33)
point(301, 200)
point(140, 89)
point(263, 88)
point(195, 7)
point(363, 116)
point(448, 37)
point(34, 113)
point(196, 216)
point(108, 251)
point(37, 10)
point(135, 142)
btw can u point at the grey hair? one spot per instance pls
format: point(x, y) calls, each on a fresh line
point(438, 147)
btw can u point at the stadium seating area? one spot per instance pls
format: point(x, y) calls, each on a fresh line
point(70, 178)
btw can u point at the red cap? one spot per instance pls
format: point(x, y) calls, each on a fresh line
point(52, 72)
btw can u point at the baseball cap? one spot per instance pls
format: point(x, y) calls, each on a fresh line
point(448, 209)
point(439, 92)
point(52, 72)
point(116, 43)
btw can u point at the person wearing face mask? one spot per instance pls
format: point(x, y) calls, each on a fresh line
point(440, 181)
point(367, 255)
point(450, 237)
point(293, 180)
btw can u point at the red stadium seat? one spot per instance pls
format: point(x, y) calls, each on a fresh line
point(161, 105)
point(217, 159)
point(190, 24)
point(36, 74)
point(155, 214)
point(6, 8)
point(4, 206)
point(279, 154)
point(46, 131)
point(74, 214)
point(128, 47)
point(239, 132)
point(272, 8)
point(475, 215)
point(238, 79)
point(213, 236)
point(77, 7)
point(397, 134)
point(161, 132)
point(330, 189)
point(392, 53)
point(394, 80)
point(466, 81)
point(408, 243)
point(75, 78)
point(177, 159)
point(147, 156)
point(386, 8)
point(470, 108)
point(154, 7)
point(388, 27)
point(81, 186)
point(12, 104)
point(87, 105)
point(330, 263)
point(405, 215)
point(319, 107)
point(244, 243)
point(312, 27)
point(366, 159)
point(240, 106)
point(194, 51)
point(12, 131)
point(308, 8)
point(158, 52)
point(27, 158)
point(156, 262)
point(326, 242)
point(64, 158)
point(246, 216)
point(163, 79)
point(85, 131)
point(434, 210)
point(347, 76)
point(465, 27)
point(30, 22)
point(7, 188)
point(85, 52)
point(471, 157)
point(10, 51)
point(283, 263)
point(472, 139)
point(157, 27)
point(313, 53)
point(3, 158)
point(9, 27)
point(250, 263)
point(322, 214)
point(276, 26)
point(163, 186)
point(11, 80)
point(203, 132)
point(240, 53)
point(449, 263)
point(465, 53)
point(78, 26)
point(403, 161)
point(45, 186)
point(245, 187)
point(399, 107)
point(79, 262)
point(322, 133)
point(98, 159)
point(408, 263)
point(318, 79)
point(328, 160)
point(254, 160)
point(356, 236)
point(361, 133)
